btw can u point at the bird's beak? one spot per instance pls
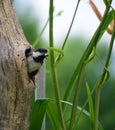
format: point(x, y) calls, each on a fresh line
point(46, 54)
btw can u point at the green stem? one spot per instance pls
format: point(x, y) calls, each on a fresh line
point(84, 105)
point(71, 25)
point(98, 92)
point(54, 75)
point(39, 37)
point(97, 101)
point(98, 34)
point(76, 97)
point(81, 68)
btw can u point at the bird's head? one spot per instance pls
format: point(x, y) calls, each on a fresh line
point(39, 55)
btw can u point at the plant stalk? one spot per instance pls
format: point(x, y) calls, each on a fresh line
point(53, 69)
point(71, 25)
point(98, 34)
point(76, 97)
point(98, 92)
point(41, 33)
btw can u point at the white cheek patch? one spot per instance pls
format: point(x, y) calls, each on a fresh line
point(36, 54)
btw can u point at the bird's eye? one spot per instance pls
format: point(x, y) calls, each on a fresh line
point(27, 51)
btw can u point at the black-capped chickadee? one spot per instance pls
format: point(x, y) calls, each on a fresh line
point(35, 60)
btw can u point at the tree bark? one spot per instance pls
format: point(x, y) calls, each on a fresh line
point(15, 87)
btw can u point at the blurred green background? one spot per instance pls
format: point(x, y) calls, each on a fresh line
point(73, 51)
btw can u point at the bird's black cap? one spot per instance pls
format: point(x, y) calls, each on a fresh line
point(40, 54)
point(41, 50)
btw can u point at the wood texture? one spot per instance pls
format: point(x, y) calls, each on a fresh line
point(15, 87)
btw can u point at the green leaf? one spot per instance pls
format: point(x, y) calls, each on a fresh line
point(95, 39)
point(91, 109)
point(113, 12)
point(91, 56)
point(85, 112)
point(53, 116)
point(61, 54)
point(32, 101)
point(106, 77)
point(37, 40)
point(107, 2)
point(37, 114)
point(107, 20)
point(100, 126)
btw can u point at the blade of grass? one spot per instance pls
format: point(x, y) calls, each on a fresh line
point(96, 37)
point(37, 114)
point(99, 86)
point(53, 116)
point(78, 107)
point(53, 69)
point(76, 97)
point(83, 107)
point(39, 36)
point(70, 27)
point(42, 31)
point(91, 109)
point(85, 112)
point(78, 86)
point(61, 53)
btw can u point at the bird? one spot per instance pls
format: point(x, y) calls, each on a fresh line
point(35, 60)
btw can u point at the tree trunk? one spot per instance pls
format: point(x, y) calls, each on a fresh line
point(15, 87)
